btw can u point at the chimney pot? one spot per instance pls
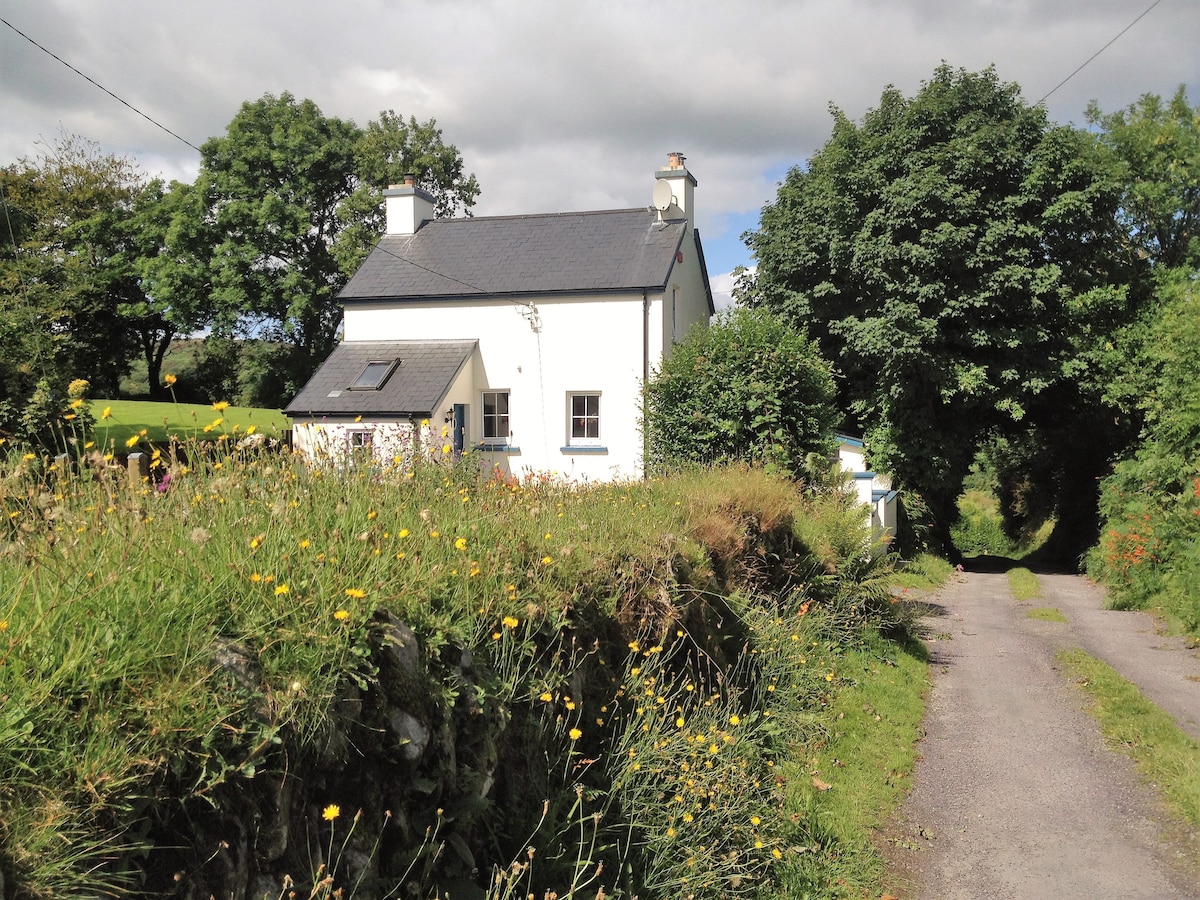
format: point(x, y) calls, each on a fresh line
point(675, 160)
point(410, 180)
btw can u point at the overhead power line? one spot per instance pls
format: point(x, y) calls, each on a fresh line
point(1098, 52)
point(149, 119)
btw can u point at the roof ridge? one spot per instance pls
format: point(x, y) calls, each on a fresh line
point(519, 216)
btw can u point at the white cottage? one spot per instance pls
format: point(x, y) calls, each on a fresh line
point(523, 338)
point(873, 489)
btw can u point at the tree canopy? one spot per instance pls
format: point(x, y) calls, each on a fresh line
point(287, 203)
point(72, 306)
point(748, 387)
point(943, 252)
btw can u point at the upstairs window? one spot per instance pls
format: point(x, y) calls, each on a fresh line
point(495, 416)
point(374, 374)
point(585, 420)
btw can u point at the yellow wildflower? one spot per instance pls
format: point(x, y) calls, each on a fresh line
point(170, 380)
point(341, 615)
point(575, 734)
point(509, 622)
point(332, 811)
point(355, 593)
point(546, 697)
point(221, 406)
point(461, 544)
point(281, 589)
point(132, 442)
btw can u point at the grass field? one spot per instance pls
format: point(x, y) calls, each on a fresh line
point(160, 421)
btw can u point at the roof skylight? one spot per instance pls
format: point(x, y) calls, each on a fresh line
point(374, 374)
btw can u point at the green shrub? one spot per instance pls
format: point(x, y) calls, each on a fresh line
point(1150, 505)
point(980, 529)
point(749, 387)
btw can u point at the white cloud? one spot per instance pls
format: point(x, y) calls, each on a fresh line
point(567, 106)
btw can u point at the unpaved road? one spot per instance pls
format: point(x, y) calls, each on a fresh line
point(1015, 794)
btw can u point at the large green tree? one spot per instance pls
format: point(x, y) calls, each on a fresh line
point(944, 252)
point(287, 204)
point(72, 304)
point(1156, 148)
point(1150, 546)
point(748, 387)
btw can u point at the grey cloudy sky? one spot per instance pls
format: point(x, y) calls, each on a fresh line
point(560, 106)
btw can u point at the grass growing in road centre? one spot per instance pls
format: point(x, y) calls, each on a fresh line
point(1023, 584)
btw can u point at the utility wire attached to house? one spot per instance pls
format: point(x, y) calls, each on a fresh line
point(93, 81)
point(1098, 52)
point(527, 309)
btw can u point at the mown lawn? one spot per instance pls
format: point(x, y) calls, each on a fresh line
point(159, 421)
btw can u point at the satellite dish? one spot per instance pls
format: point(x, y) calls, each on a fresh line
point(663, 198)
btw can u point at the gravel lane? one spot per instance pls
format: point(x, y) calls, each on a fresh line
point(1015, 795)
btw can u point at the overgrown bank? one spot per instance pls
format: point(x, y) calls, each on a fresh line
point(393, 683)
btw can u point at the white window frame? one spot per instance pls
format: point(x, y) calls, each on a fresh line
point(596, 416)
point(360, 438)
point(492, 419)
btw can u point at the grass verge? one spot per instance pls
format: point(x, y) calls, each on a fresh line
point(846, 783)
point(1023, 584)
point(923, 573)
point(1164, 754)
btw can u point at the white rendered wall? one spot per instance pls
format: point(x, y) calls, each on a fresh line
point(588, 344)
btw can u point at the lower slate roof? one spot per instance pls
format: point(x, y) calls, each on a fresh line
point(619, 250)
point(416, 387)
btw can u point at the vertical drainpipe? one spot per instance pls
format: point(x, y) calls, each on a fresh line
point(645, 378)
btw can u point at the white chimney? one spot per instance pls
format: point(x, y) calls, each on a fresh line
point(682, 184)
point(408, 207)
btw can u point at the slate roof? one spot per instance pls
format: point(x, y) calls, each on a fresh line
point(415, 387)
point(606, 251)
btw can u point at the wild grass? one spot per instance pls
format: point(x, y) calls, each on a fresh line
point(1023, 584)
point(1165, 755)
point(639, 673)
